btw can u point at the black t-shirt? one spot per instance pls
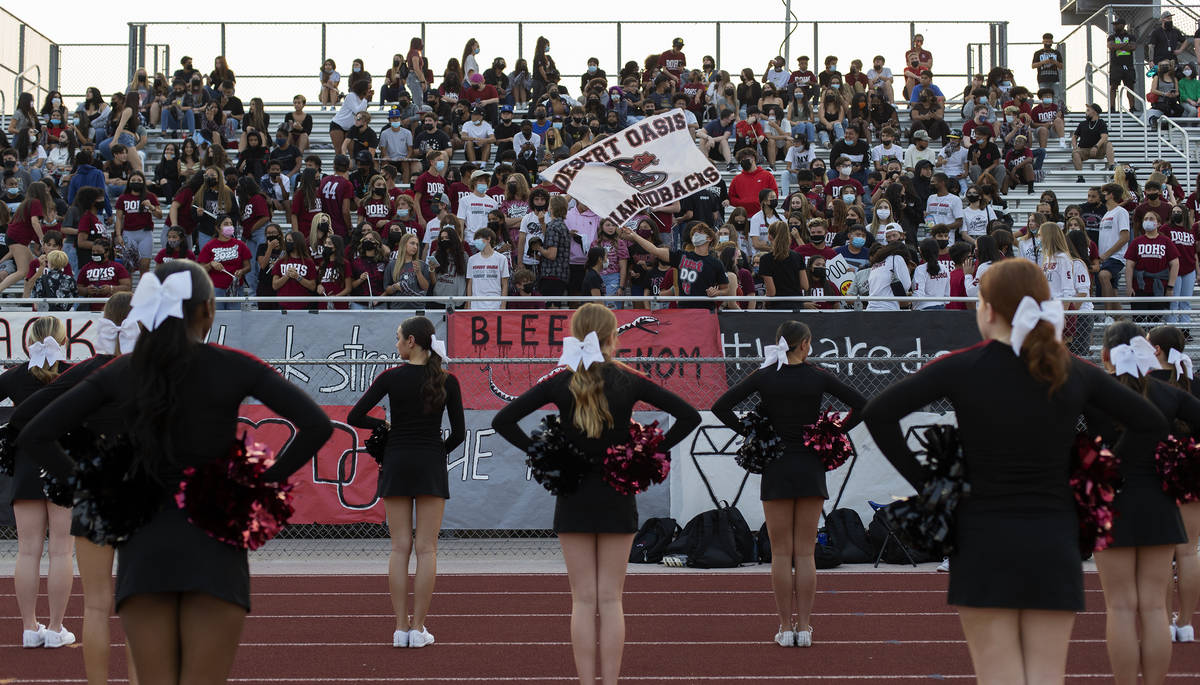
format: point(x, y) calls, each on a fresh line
point(286, 156)
point(592, 280)
point(1122, 57)
point(1089, 132)
point(504, 130)
point(1047, 73)
point(985, 156)
point(705, 205)
point(696, 275)
point(500, 80)
point(1164, 42)
point(363, 138)
point(1091, 215)
point(859, 153)
point(785, 275)
point(233, 105)
point(437, 140)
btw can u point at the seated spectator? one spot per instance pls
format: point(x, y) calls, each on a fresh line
point(1020, 100)
point(854, 250)
point(815, 240)
point(979, 120)
point(831, 117)
point(799, 156)
point(803, 82)
point(103, 276)
point(778, 132)
point(478, 137)
point(928, 115)
point(1090, 140)
point(984, 157)
point(856, 151)
point(1018, 164)
point(926, 84)
point(879, 79)
point(748, 91)
point(826, 77)
point(715, 135)
point(749, 134)
point(1047, 116)
point(880, 112)
point(952, 161)
point(53, 280)
point(176, 246)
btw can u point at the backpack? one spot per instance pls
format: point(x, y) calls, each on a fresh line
point(877, 533)
point(53, 283)
point(824, 554)
point(763, 544)
point(717, 538)
point(848, 536)
point(652, 540)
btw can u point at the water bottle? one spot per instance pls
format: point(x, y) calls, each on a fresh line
point(822, 538)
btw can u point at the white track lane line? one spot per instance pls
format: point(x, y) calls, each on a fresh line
point(862, 614)
point(1186, 677)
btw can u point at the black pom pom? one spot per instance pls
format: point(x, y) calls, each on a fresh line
point(377, 443)
point(8, 449)
point(925, 521)
point(762, 444)
point(555, 462)
point(58, 491)
point(114, 499)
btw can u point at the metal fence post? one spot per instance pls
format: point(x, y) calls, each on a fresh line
point(1090, 61)
point(53, 76)
point(970, 60)
point(222, 38)
point(21, 60)
point(424, 47)
point(141, 46)
point(993, 39)
point(718, 55)
point(132, 50)
point(323, 53)
point(912, 31)
point(816, 58)
point(787, 32)
point(619, 63)
point(1003, 47)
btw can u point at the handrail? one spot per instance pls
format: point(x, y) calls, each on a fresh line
point(1187, 147)
point(1123, 90)
point(37, 85)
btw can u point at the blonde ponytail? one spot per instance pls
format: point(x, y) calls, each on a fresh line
point(592, 415)
point(42, 328)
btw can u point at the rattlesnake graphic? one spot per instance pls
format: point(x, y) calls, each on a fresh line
point(642, 322)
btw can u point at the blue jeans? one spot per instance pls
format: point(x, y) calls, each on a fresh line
point(807, 128)
point(105, 147)
point(231, 291)
point(839, 132)
point(170, 123)
point(1184, 286)
point(72, 256)
point(358, 305)
point(414, 87)
point(612, 283)
point(258, 237)
point(201, 238)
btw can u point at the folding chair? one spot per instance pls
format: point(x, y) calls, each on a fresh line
point(891, 537)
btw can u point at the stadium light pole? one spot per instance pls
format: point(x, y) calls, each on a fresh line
point(787, 31)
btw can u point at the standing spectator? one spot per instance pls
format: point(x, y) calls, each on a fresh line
point(781, 269)
point(487, 271)
point(408, 276)
point(417, 68)
point(544, 72)
point(889, 275)
point(449, 263)
point(583, 225)
point(473, 209)
point(396, 145)
point(136, 211)
point(1166, 42)
point(357, 100)
point(1121, 70)
point(227, 260)
point(367, 268)
point(1184, 237)
point(254, 218)
point(334, 272)
point(294, 274)
point(174, 247)
point(1114, 235)
point(554, 252)
point(673, 61)
point(745, 187)
point(1151, 266)
point(931, 278)
point(1090, 140)
point(614, 272)
point(1153, 206)
point(85, 175)
point(104, 275)
point(337, 195)
point(944, 207)
point(701, 273)
point(1048, 62)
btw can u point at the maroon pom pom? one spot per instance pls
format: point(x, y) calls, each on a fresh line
point(1178, 464)
point(1094, 479)
point(828, 439)
point(228, 499)
point(634, 466)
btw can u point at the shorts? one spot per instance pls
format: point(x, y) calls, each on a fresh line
point(552, 287)
point(1122, 74)
point(334, 127)
point(142, 241)
point(1114, 266)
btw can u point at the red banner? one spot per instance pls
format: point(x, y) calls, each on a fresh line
point(338, 485)
point(672, 335)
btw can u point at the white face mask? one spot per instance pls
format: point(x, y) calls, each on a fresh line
point(699, 239)
point(883, 212)
point(1149, 225)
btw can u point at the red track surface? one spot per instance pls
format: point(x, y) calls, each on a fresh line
point(681, 628)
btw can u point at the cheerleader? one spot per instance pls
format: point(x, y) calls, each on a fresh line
point(413, 472)
point(1135, 569)
point(595, 525)
point(1176, 369)
point(182, 595)
point(114, 332)
point(792, 488)
point(33, 512)
point(1016, 576)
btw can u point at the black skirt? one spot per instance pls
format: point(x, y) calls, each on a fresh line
point(798, 473)
point(413, 473)
point(1016, 560)
point(1145, 515)
point(169, 554)
point(27, 480)
point(595, 508)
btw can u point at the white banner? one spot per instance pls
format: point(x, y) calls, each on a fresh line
point(649, 164)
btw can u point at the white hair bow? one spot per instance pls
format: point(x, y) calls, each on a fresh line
point(45, 354)
point(439, 346)
point(1135, 358)
point(775, 354)
point(1182, 363)
point(154, 301)
point(1029, 313)
point(585, 352)
point(109, 335)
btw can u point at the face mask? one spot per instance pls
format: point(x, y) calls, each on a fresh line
point(699, 239)
point(395, 124)
point(558, 125)
point(747, 164)
point(10, 163)
point(429, 127)
point(858, 241)
point(818, 239)
point(210, 180)
point(1006, 84)
point(592, 68)
point(818, 273)
point(402, 213)
point(227, 231)
point(291, 245)
point(722, 239)
point(1177, 218)
point(357, 69)
point(173, 244)
point(848, 198)
point(14, 191)
point(771, 203)
point(1149, 225)
point(595, 129)
point(943, 244)
point(479, 244)
point(475, 52)
point(98, 257)
point(136, 187)
point(481, 188)
point(1047, 101)
point(844, 170)
point(439, 165)
point(56, 101)
point(835, 86)
point(56, 122)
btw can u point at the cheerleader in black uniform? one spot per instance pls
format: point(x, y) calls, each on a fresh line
point(414, 465)
point(1176, 369)
point(792, 488)
point(95, 561)
point(182, 595)
point(595, 524)
point(1016, 576)
point(1135, 569)
point(33, 512)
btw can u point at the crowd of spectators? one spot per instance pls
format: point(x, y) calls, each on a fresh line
point(831, 196)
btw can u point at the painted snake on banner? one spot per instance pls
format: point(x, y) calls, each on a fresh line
point(641, 322)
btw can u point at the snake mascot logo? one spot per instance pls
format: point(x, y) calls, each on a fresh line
point(633, 171)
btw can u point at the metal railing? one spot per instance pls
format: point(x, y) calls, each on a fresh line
point(20, 79)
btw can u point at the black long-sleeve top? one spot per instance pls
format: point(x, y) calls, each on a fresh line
point(109, 418)
point(790, 398)
point(215, 383)
point(17, 383)
point(411, 427)
point(1138, 465)
point(623, 388)
point(1016, 437)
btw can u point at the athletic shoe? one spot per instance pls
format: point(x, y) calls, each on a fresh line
point(1062, 143)
point(62, 638)
point(785, 638)
point(1174, 628)
point(944, 567)
point(804, 637)
point(1185, 634)
point(419, 638)
point(400, 638)
point(34, 638)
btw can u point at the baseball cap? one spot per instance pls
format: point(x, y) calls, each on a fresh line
point(394, 113)
point(679, 41)
point(480, 173)
point(1118, 20)
point(363, 156)
point(954, 135)
point(441, 198)
point(506, 108)
point(477, 110)
point(475, 78)
point(921, 135)
point(1165, 15)
point(425, 109)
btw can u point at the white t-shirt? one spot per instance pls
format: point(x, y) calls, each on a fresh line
point(956, 161)
point(396, 141)
point(480, 129)
point(759, 224)
point(351, 106)
point(945, 209)
point(912, 155)
point(972, 284)
point(519, 140)
point(878, 78)
point(879, 153)
point(1083, 282)
point(432, 228)
point(485, 275)
point(1111, 225)
point(530, 228)
point(799, 158)
point(1030, 247)
point(925, 285)
point(474, 209)
point(779, 77)
point(1060, 274)
point(880, 281)
point(975, 221)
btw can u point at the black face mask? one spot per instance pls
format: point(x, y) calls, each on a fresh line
point(10, 163)
point(818, 273)
point(747, 164)
point(1177, 219)
point(771, 203)
point(136, 187)
point(380, 191)
point(429, 127)
point(972, 198)
point(595, 129)
point(272, 238)
point(210, 180)
point(494, 225)
point(444, 244)
point(805, 188)
point(818, 239)
point(291, 245)
point(943, 243)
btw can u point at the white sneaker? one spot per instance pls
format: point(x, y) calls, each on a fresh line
point(785, 638)
point(34, 638)
point(62, 638)
point(1062, 143)
point(804, 637)
point(400, 638)
point(420, 638)
point(1185, 634)
point(944, 567)
point(1174, 629)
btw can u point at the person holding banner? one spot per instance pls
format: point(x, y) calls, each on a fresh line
point(1016, 609)
point(700, 272)
point(412, 476)
point(595, 397)
point(793, 488)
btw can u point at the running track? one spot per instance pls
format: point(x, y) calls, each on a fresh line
point(682, 627)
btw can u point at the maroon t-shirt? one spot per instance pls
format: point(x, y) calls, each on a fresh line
point(232, 254)
point(1185, 243)
point(834, 188)
point(488, 92)
point(186, 215)
point(1162, 211)
point(1044, 114)
point(809, 250)
point(335, 190)
point(254, 210)
point(292, 287)
point(377, 212)
point(673, 61)
point(1152, 255)
point(428, 184)
point(136, 218)
point(100, 274)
